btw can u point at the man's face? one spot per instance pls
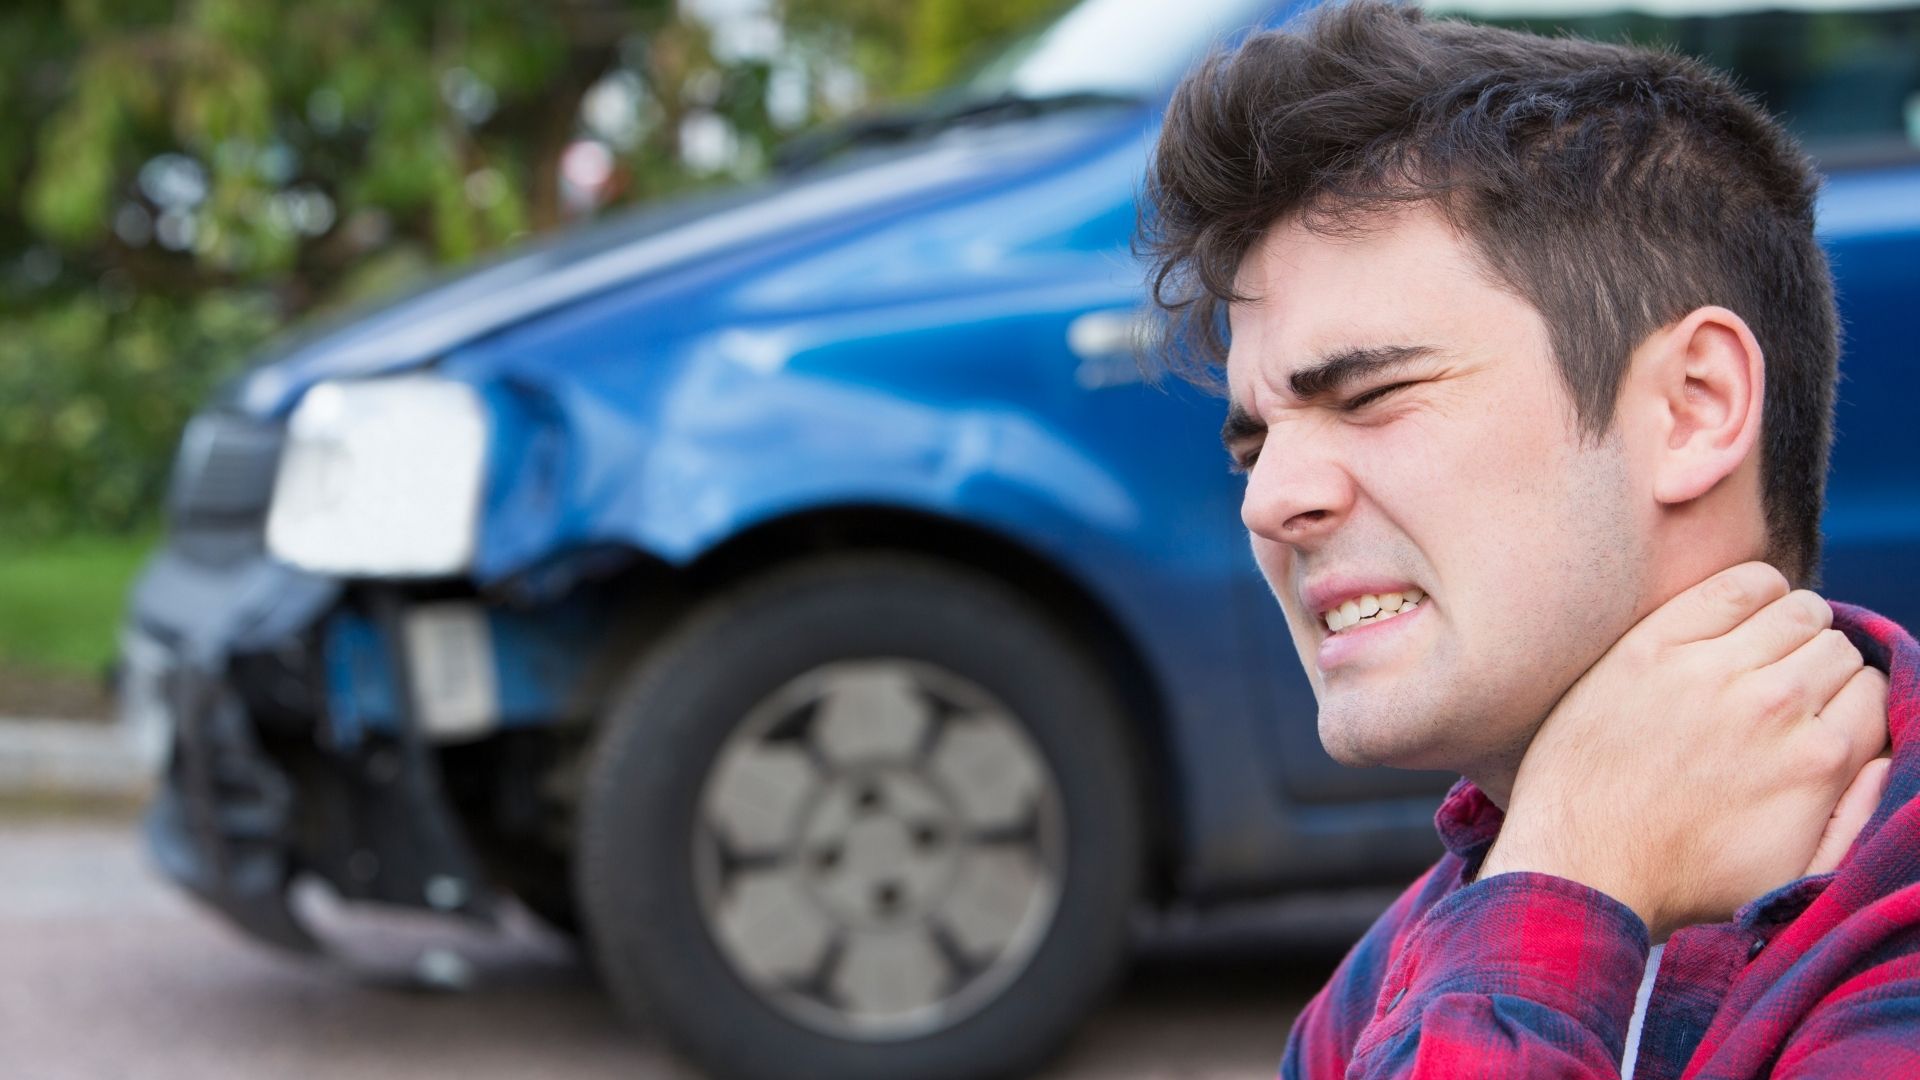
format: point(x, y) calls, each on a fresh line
point(1412, 435)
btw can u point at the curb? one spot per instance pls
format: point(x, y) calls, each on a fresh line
point(70, 758)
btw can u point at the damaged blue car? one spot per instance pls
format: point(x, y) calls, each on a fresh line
point(798, 594)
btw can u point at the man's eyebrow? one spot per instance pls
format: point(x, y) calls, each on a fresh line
point(1240, 425)
point(1328, 374)
point(1322, 378)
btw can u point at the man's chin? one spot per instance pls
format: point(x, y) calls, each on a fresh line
point(1379, 739)
point(1345, 754)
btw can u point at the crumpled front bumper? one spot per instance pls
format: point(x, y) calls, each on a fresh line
point(219, 821)
point(250, 796)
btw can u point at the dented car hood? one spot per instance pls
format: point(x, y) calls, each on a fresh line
point(824, 205)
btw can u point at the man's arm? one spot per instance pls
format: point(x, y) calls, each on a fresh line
point(1697, 765)
point(1531, 975)
point(1498, 942)
point(1685, 734)
point(1519, 975)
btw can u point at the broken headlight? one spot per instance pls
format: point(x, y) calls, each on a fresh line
point(381, 478)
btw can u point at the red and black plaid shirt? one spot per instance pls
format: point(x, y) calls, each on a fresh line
point(1531, 975)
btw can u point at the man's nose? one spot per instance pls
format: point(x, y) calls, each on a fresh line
point(1295, 497)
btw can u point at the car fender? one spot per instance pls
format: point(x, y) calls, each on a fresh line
point(674, 455)
point(723, 452)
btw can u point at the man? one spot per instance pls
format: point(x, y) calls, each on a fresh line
point(1530, 354)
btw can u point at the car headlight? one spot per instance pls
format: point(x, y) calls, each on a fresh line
point(381, 478)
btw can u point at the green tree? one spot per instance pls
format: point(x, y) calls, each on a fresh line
point(904, 49)
point(179, 179)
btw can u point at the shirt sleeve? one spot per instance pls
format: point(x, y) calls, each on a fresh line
point(1519, 974)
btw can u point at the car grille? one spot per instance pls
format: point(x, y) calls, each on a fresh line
point(223, 483)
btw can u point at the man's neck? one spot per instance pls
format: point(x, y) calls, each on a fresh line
point(1496, 794)
point(1497, 791)
point(1494, 777)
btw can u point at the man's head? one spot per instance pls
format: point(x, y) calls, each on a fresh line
point(1536, 328)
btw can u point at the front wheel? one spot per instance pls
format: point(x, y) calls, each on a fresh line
point(870, 817)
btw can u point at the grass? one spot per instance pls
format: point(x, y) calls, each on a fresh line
point(61, 600)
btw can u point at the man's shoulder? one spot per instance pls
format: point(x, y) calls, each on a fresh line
point(1367, 962)
point(1331, 1024)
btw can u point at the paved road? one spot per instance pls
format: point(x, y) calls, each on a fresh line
point(111, 975)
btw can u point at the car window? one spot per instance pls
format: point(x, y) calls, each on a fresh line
point(1131, 47)
point(1844, 75)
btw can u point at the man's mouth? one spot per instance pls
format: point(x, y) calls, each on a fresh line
point(1371, 608)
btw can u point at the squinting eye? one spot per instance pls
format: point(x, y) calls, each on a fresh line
point(1241, 466)
point(1374, 395)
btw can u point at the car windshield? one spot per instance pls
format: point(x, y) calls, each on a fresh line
point(1099, 53)
point(1131, 48)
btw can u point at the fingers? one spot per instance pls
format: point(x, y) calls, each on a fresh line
point(1782, 628)
point(1851, 815)
point(1852, 729)
point(1858, 714)
point(1718, 604)
point(1806, 680)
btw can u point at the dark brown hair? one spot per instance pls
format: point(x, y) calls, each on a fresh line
point(1613, 188)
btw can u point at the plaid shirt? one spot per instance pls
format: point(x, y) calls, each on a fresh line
point(1531, 975)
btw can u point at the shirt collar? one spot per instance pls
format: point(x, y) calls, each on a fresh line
point(1468, 820)
point(1890, 648)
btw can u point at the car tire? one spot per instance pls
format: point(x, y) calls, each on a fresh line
point(928, 874)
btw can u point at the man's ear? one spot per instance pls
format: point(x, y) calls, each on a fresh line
point(1707, 379)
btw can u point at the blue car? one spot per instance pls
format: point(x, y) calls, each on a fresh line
point(800, 595)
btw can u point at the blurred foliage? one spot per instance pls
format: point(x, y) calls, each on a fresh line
point(912, 47)
point(180, 179)
point(63, 604)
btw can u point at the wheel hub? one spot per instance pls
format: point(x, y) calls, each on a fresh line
point(880, 848)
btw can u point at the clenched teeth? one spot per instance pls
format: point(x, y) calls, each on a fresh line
point(1372, 608)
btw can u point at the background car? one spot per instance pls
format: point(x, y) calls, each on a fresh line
point(798, 592)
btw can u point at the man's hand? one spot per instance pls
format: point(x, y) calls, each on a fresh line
point(1858, 804)
point(1702, 762)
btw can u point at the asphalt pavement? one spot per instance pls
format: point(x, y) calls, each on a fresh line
point(113, 975)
